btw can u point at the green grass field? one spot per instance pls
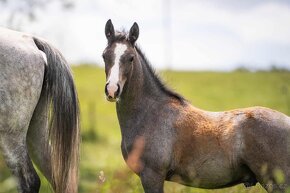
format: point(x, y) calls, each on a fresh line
point(214, 91)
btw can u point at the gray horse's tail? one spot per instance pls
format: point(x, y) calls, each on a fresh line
point(64, 119)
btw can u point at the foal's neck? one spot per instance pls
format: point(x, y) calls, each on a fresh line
point(142, 86)
point(140, 93)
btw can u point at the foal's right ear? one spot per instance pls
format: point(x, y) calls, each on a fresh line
point(109, 30)
point(134, 33)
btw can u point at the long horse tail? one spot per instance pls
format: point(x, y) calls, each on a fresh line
point(63, 113)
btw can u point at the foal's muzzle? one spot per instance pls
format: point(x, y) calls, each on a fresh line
point(112, 91)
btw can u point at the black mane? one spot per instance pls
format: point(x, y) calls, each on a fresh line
point(122, 36)
point(157, 79)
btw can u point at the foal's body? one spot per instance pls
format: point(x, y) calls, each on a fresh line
point(199, 148)
point(166, 138)
point(221, 149)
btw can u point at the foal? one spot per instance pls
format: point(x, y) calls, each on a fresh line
point(166, 138)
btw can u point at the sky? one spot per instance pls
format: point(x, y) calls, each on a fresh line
point(174, 34)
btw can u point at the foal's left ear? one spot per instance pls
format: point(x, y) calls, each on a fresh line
point(134, 33)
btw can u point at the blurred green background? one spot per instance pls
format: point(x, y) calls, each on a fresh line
point(102, 168)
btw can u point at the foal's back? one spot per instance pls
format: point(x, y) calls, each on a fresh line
point(218, 149)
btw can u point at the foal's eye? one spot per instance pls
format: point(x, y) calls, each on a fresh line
point(131, 58)
point(105, 57)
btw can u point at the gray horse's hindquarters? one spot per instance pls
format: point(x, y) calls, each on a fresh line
point(21, 79)
point(29, 81)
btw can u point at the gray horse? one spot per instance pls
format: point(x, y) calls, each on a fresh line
point(165, 138)
point(38, 113)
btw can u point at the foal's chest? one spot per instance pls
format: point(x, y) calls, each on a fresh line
point(132, 152)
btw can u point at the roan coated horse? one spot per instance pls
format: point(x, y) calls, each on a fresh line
point(38, 113)
point(165, 138)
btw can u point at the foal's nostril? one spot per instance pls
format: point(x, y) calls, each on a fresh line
point(118, 91)
point(106, 89)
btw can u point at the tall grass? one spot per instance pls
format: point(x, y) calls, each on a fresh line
point(102, 167)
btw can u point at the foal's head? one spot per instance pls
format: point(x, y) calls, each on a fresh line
point(119, 57)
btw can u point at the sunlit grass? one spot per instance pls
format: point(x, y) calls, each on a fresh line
point(214, 91)
point(208, 90)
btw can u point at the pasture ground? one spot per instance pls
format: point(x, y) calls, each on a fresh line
point(103, 169)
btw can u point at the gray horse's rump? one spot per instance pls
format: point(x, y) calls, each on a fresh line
point(21, 78)
point(36, 81)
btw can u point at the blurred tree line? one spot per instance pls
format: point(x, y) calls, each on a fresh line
point(20, 11)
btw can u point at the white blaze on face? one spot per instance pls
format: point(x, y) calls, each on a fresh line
point(115, 70)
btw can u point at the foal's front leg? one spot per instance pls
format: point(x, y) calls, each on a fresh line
point(152, 181)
